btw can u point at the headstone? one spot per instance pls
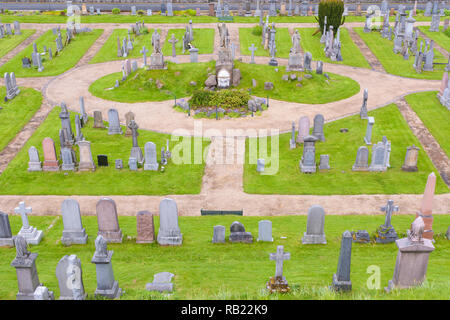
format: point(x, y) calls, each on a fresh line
point(238, 234)
point(114, 124)
point(107, 219)
point(193, 54)
point(27, 276)
point(308, 160)
point(169, 231)
point(412, 258)
point(379, 157)
point(386, 232)
point(132, 164)
point(363, 111)
point(278, 283)
point(17, 28)
point(324, 163)
point(86, 161)
point(303, 129)
point(145, 227)
point(319, 67)
point(362, 159)
point(133, 10)
point(73, 232)
point(84, 116)
point(68, 163)
point(368, 136)
point(151, 162)
point(35, 163)
point(315, 226)
point(70, 278)
point(252, 50)
point(341, 279)
point(265, 231)
point(98, 119)
point(128, 117)
point(50, 160)
point(318, 127)
point(6, 239)
point(426, 209)
point(119, 164)
point(42, 293)
point(66, 126)
point(107, 286)
point(161, 282)
point(218, 234)
point(361, 236)
point(410, 163)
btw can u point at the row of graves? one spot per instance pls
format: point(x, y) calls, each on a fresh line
point(37, 58)
point(6, 30)
point(68, 158)
point(405, 38)
point(410, 268)
point(332, 47)
point(125, 46)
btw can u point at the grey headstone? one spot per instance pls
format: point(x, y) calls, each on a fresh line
point(73, 232)
point(132, 164)
point(161, 282)
point(341, 279)
point(318, 127)
point(151, 162)
point(119, 164)
point(218, 234)
point(70, 278)
point(35, 163)
point(315, 226)
point(362, 159)
point(265, 230)
point(114, 124)
point(169, 231)
point(6, 238)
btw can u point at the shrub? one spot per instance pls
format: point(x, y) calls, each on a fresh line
point(333, 10)
point(140, 12)
point(447, 32)
point(230, 98)
point(115, 11)
point(191, 12)
point(257, 31)
point(201, 98)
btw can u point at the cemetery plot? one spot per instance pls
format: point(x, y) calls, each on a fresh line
point(204, 270)
point(7, 43)
point(65, 60)
point(342, 148)
point(203, 41)
point(153, 85)
point(351, 54)
point(442, 38)
point(249, 36)
point(434, 116)
point(105, 180)
point(109, 50)
point(394, 63)
point(17, 112)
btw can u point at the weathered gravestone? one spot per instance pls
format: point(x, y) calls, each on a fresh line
point(119, 164)
point(368, 136)
point(362, 159)
point(324, 163)
point(145, 227)
point(361, 236)
point(98, 119)
point(6, 239)
point(380, 156)
point(151, 162)
point(412, 258)
point(426, 207)
point(68, 163)
point(363, 111)
point(107, 286)
point(386, 232)
point(161, 282)
point(136, 151)
point(132, 164)
point(108, 222)
point(315, 226)
point(218, 234)
point(265, 230)
point(169, 231)
point(238, 234)
point(34, 164)
point(318, 127)
point(303, 129)
point(73, 232)
point(308, 160)
point(114, 124)
point(86, 161)
point(279, 282)
point(410, 163)
point(50, 160)
point(341, 279)
point(70, 278)
point(27, 276)
point(31, 234)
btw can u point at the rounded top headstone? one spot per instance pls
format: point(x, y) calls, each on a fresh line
point(236, 226)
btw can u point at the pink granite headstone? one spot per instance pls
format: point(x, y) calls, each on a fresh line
point(303, 128)
point(426, 209)
point(444, 83)
point(50, 159)
point(108, 223)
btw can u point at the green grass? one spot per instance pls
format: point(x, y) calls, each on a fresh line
point(282, 37)
point(138, 88)
point(68, 57)
point(351, 54)
point(203, 41)
point(394, 63)
point(105, 180)
point(7, 43)
point(439, 37)
point(342, 148)
point(313, 91)
point(236, 271)
point(17, 112)
point(109, 50)
point(434, 115)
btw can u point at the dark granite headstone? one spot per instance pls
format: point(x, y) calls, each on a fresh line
point(102, 160)
point(238, 234)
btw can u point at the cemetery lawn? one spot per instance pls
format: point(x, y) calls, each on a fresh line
point(342, 148)
point(67, 58)
point(177, 179)
point(313, 91)
point(17, 112)
point(139, 88)
point(236, 271)
point(394, 63)
point(439, 37)
point(8, 43)
point(109, 50)
point(282, 37)
point(203, 41)
point(351, 54)
point(434, 115)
